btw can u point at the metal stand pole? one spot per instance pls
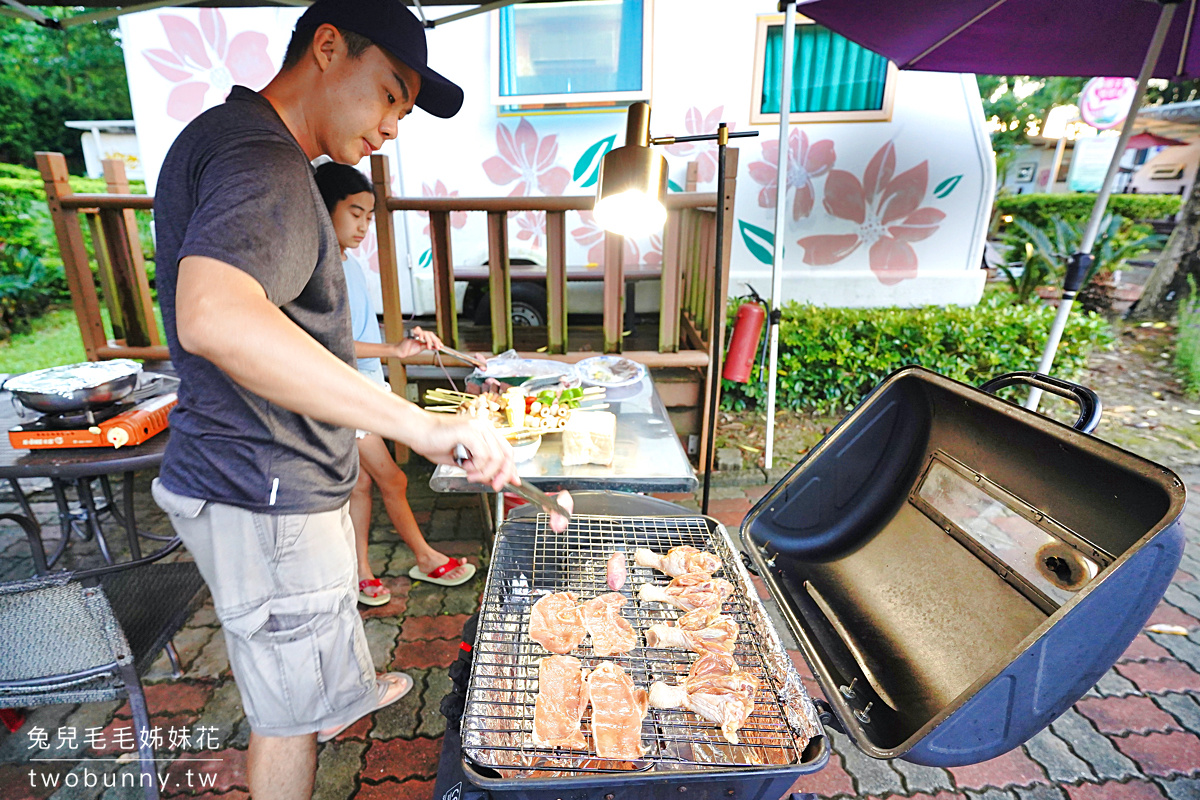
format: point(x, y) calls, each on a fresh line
point(714, 324)
point(1079, 263)
point(781, 187)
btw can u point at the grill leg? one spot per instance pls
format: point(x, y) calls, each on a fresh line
point(33, 532)
point(173, 657)
point(141, 725)
point(83, 488)
point(485, 510)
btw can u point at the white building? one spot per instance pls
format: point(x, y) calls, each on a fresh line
point(889, 191)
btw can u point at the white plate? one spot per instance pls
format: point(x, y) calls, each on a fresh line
point(595, 369)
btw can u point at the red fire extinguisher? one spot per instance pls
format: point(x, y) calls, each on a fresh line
point(743, 345)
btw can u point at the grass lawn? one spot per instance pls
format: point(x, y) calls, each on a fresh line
point(53, 339)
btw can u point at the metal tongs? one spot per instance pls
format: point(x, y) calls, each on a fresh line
point(531, 493)
point(466, 358)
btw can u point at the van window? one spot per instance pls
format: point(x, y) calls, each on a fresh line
point(833, 79)
point(571, 53)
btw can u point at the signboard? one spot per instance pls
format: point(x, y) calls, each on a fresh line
point(1090, 163)
point(1104, 102)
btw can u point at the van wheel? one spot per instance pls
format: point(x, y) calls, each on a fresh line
point(528, 305)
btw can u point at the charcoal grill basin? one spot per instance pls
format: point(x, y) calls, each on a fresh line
point(959, 570)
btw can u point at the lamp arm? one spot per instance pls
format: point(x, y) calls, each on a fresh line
point(701, 137)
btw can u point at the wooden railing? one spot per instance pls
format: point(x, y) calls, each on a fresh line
point(119, 264)
point(687, 300)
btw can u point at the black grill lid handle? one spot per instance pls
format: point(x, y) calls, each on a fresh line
point(1087, 400)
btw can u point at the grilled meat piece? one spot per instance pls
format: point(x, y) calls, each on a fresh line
point(611, 633)
point(616, 571)
point(689, 592)
point(716, 689)
point(703, 630)
point(678, 560)
point(618, 708)
point(561, 700)
point(556, 623)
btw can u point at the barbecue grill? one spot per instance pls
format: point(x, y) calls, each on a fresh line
point(958, 572)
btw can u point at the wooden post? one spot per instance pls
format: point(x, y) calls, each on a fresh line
point(556, 279)
point(74, 254)
point(692, 176)
point(389, 279)
point(443, 277)
point(116, 320)
point(124, 248)
point(692, 261)
point(614, 292)
point(668, 306)
point(704, 294)
point(499, 281)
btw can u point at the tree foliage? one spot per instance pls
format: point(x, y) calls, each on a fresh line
point(50, 76)
point(1009, 98)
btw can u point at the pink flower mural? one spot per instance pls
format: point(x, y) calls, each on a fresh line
point(591, 235)
point(696, 122)
point(653, 254)
point(531, 227)
point(886, 215)
point(205, 58)
point(804, 164)
point(458, 219)
point(527, 159)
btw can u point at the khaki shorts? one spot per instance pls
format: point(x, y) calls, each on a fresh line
point(285, 587)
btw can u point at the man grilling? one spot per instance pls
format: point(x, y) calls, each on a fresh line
point(262, 459)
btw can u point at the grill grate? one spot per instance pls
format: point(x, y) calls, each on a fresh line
point(529, 560)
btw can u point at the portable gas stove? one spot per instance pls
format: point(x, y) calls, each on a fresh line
point(115, 426)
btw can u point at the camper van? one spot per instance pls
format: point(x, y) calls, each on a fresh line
point(890, 174)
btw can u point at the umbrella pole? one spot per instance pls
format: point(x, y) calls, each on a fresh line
point(781, 187)
point(1080, 262)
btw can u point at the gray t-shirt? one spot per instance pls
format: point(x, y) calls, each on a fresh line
point(237, 187)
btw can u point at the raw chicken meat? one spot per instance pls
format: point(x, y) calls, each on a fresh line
point(703, 630)
point(689, 592)
point(561, 701)
point(678, 560)
point(616, 571)
point(556, 623)
point(618, 708)
point(716, 689)
point(611, 633)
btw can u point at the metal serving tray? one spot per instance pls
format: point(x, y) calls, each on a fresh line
point(959, 570)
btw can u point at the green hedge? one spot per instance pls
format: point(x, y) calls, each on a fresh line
point(25, 219)
point(1076, 207)
point(830, 358)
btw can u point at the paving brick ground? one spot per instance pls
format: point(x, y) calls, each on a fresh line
point(1136, 735)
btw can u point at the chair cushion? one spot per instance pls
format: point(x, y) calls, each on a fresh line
point(152, 603)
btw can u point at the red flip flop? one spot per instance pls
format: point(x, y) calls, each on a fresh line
point(435, 575)
point(381, 597)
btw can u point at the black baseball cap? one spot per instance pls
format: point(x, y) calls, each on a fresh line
point(392, 27)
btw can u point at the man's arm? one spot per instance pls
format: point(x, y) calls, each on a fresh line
point(376, 350)
point(223, 315)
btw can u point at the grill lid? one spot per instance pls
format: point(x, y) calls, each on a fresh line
point(959, 570)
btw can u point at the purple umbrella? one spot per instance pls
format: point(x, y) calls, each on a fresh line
point(1032, 37)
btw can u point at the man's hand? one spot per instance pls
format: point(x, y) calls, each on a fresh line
point(419, 339)
point(491, 459)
